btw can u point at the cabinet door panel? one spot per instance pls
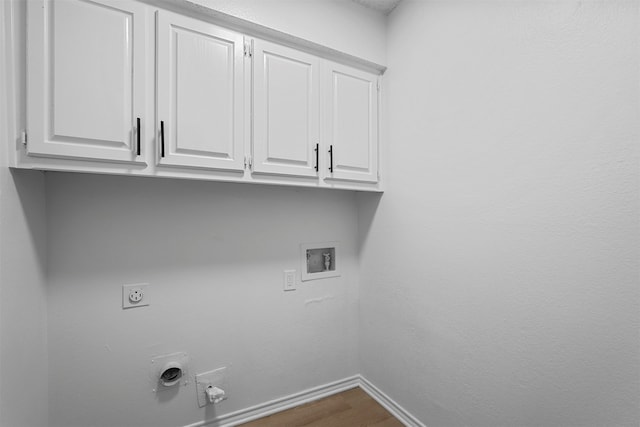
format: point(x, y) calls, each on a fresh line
point(200, 93)
point(85, 78)
point(353, 123)
point(286, 108)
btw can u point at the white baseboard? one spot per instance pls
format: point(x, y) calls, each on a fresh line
point(282, 404)
point(389, 404)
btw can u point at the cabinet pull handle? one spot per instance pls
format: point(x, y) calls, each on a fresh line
point(331, 158)
point(161, 138)
point(138, 136)
point(317, 157)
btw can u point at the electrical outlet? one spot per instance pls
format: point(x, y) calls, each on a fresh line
point(289, 283)
point(135, 295)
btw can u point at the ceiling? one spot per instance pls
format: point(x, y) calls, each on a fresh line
point(384, 6)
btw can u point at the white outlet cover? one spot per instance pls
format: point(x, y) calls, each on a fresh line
point(139, 291)
point(215, 378)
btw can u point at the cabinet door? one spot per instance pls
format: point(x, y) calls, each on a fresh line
point(86, 72)
point(200, 93)
point(352, 123)
point(286, 110)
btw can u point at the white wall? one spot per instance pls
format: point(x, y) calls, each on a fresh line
point(339, 24)
point(23, 351)
point(214, 255)
point(500, 271)
point(23, 339)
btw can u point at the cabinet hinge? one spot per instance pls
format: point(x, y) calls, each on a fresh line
point(250, 163)
point(248, 49)
point(378, 86)
point(23, 138)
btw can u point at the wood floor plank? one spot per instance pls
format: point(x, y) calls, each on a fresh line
point(389, 422)
point(355, 396)
point(350, 408)
point(365, 414)
point(303, 415)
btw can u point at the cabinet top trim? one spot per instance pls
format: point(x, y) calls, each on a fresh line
point(204, 13)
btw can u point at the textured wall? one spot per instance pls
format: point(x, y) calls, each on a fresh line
point(500, 272)
point(23, 350)
point(23, 309)
point(339, 24)
point(214, 255)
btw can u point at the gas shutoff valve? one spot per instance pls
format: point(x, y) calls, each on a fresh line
point(215, 394)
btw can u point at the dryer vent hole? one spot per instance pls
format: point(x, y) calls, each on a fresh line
point(171, 375)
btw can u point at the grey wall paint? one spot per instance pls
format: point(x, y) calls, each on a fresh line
point(500, 271)
point(339, 24)
point(214, 255)
point(23, 345)
point(23, 339)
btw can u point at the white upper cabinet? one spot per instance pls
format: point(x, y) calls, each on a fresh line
point(131, 88)
point(286, 110)
point(200, 94)
point(352, 123)
point(86, 78)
